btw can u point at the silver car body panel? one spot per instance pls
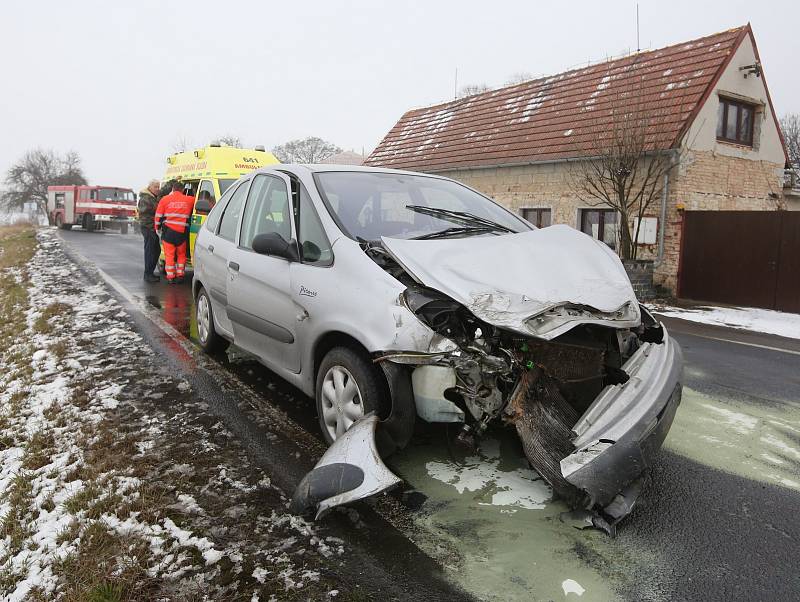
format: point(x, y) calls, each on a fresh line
point(506, 280)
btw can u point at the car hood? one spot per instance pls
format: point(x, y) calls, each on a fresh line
point(505, 280)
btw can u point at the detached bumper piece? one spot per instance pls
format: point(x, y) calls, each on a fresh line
point(351, 469)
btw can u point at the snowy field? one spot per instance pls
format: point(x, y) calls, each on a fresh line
point(115, 484)
point(745, 318)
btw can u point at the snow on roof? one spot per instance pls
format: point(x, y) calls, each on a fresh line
point(558, 116)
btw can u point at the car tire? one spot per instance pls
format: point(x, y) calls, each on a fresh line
point(348, 388)
point(207, 336)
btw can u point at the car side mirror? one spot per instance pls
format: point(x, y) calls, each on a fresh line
point(202, 206)
point(272, 243)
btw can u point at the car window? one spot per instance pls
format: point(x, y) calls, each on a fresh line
point(267, 210)
point(370, 205)
point(212, 221)
point(230, 216)
point(314, 245)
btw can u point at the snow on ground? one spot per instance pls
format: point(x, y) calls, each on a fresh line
point(111, 474)
point(745, 318)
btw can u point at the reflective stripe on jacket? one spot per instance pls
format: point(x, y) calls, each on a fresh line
point(175, 210)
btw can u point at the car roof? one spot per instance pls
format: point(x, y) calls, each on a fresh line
point(326, 167)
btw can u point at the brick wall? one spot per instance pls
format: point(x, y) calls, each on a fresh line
point(703, 181)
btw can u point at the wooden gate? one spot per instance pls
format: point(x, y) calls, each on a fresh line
point(749, 258)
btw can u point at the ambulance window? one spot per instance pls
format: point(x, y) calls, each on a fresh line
point(207, 186)
point(267, 210)
point(314, 245)
point(230, 218)
point(224, 184)
point(212, 221)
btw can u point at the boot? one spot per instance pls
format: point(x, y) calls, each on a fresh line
point(151, 278)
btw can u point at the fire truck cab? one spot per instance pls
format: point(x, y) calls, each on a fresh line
point(91, 207)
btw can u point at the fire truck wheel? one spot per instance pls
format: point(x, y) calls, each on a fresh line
point(207, 335)
point(60, 223)
point(123, 229)
point(88, 222)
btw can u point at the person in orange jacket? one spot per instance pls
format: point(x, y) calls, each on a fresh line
point(172, 216)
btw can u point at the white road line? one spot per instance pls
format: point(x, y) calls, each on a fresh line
point(779, 349)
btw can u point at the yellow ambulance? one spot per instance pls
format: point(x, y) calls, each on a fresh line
point(213, 169)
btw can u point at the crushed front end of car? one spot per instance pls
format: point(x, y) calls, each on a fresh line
point(540, 331)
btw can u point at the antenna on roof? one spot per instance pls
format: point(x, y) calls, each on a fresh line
point(455, 86)
point(638, 47)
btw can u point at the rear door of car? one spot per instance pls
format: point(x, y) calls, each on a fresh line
point(213, 250)
point(260, 305)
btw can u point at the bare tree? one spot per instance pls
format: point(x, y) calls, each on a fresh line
point(27, 180)
point(471, 89)
point(181, 144)
point(519, 78)
point(306, 150)
point(623, 169)
point(790, 127)
point(230, 140)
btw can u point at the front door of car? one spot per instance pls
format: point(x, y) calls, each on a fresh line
point(214, 248)
point(260, 304)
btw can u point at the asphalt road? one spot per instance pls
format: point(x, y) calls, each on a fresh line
point(717, 522)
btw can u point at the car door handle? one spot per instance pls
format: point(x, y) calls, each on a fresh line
point(210, 248)
point(234, 266)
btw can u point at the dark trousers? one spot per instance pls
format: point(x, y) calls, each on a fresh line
point(152, 250)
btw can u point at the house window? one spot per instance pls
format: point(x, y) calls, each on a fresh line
point(735, 121)
point(600, 224)
point(538, 217)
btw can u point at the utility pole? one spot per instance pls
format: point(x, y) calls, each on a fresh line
point(638, 46)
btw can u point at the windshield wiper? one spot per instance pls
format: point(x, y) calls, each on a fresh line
point(455, 231)
point(459, 217)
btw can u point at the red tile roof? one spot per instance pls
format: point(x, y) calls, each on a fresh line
point(557, 117)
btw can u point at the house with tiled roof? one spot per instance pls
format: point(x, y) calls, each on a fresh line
point(516, 144)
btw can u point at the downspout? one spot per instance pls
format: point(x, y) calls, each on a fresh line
point(662, 227)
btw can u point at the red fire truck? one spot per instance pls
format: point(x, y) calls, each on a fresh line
point(91, 207)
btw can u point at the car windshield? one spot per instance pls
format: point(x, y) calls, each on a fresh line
point(115, 194)
point(370, 205)
point(224, 184)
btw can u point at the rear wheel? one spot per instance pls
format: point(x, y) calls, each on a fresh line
point(207, 335)
point(60, 223)
point(348, 388)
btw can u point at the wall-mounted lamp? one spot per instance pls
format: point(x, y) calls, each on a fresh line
point(754, 69)
point(680, 206)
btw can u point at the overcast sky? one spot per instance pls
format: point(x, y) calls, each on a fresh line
point(120, 83)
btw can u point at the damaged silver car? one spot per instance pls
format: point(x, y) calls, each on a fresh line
point(391, 297)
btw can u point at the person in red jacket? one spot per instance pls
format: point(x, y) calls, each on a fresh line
point(172, 216)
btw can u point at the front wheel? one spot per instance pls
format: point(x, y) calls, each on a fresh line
point(348, 388)
point(207, 335)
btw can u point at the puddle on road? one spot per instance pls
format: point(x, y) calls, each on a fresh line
point(500, 517)
point(750, 440)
